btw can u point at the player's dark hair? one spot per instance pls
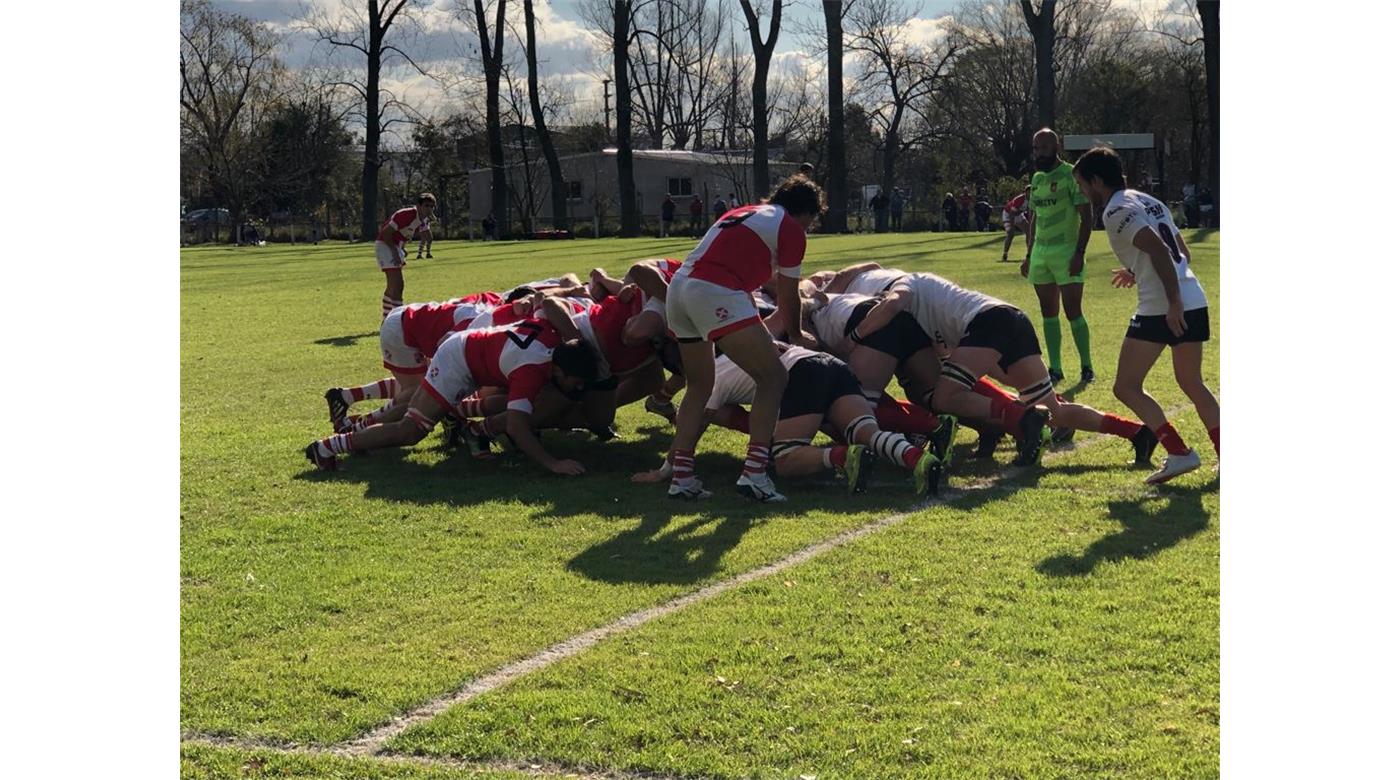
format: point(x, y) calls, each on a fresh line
point(427, 197)
point(523, 291)
point(799, 195)
point(1101, 163)
point(577, 359)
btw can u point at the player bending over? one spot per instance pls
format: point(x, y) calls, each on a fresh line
point(1171, 308)
point(522, 358)
point(988, 336)
point(389, 247)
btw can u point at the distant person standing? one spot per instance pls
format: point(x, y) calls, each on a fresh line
point(697, 210)
point(1205, 207)
point(897, 210)
point(809, 170)
point(983, 212)
point(668, 215)
point(488, 227)
point(1059, 235)
point(425, 240)
point(1013, 221)
point(880, 204)
point(733, 201)
point(965, 210)
point(950, 212)
point(719, 208)
point(389, 247)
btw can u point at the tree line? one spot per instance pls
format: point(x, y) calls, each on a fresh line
point(925, 105)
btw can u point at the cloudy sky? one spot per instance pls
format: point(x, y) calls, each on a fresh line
point(568, 50)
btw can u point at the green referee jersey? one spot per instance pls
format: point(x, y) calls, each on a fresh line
point(1055, 198)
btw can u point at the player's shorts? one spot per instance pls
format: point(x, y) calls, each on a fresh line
point(1153, 328)
point(1009, 221)
point(814, 383)
point(390, 257)
point(448, 378)
point(1052, 266)
point(1005, 329)
point(399, 357)
point(698, 310)
point(900, 339)
point(656, 306)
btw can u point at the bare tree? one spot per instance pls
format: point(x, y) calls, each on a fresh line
point(897, 72)
point(700, 26)
point(226, 68)
point(835, 219)
point(626, 184)
point(367, 29)
point(558, 197)
point(490, 42)
point(762, 56)
point(1042, 27)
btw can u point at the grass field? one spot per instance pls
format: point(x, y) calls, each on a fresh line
point(1057, 623)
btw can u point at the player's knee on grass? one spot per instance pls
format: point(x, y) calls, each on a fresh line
point(412, 428)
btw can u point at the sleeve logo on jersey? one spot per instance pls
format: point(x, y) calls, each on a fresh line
point(433, 372)
point(721, 314)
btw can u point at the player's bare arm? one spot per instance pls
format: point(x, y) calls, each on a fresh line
point(1086, 228)
point(518, 428)
point(1149, 241)
point(557, 313)
point(790, 310)
point(842, 279)
point(1030, 240)
point(895, 301)
point(650, 280)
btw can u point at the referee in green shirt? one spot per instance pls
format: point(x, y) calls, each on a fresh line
point(1059, 233)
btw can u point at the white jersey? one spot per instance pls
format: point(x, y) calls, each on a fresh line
point(1126, 214)
point(829, 321)
point(942, 308)
point(874, 282)
point(733, 386)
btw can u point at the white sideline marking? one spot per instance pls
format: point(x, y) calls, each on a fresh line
point(375, 740)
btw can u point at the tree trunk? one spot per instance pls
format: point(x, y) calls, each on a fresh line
point(762, 56)
point(491, 67)
point(1042, 27)
point(1210, 25)
point(369, 175)
point(891, 151)
point(558, 198)
point(835, 219)
point(626, 187)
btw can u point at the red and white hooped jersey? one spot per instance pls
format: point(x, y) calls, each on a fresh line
point(666, 266)
point(1016, 205)
point(516, 357)
point(506, 314)
point(746, 246)
point(404, 223)
point(485, 300)
point(426, 324)
point(602, 327)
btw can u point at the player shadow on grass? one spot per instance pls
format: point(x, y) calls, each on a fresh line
point(345, 341)
point(1145, 533)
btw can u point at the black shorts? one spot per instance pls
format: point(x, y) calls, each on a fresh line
point(814, 383)
point(900, 339)
point(1005, 329)
point(1154, 328)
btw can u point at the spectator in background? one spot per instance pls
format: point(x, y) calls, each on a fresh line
point(733, 201)
point(965, 209)
point(668, 215)
point(1191, 204)
point(950, 212)
point(488, 227)
point(1205, 207)
point(897, 210)
point(880, 204)
point(983, 212)
point(809, 170)
point(697, 210)
point(719, 207)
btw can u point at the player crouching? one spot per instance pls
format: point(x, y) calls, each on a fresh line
point(523, 358)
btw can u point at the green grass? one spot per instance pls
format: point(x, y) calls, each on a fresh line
point(1071, 615)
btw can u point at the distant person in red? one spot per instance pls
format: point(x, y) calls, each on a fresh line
point(1013, 221)
point(697, 210)
point(389, 247)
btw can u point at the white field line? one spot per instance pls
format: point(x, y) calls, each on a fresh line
point(373, 742)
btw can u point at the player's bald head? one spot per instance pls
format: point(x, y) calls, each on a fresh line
point(1045, 148)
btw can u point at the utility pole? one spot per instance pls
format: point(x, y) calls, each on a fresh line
point(607, 109)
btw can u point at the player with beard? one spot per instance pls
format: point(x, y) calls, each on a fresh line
point(1059, 234)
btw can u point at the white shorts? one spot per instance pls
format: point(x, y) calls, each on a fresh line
point(389, 257)
point(398, 356)
point(656, 306)
point(448, 379)
point(697, 309)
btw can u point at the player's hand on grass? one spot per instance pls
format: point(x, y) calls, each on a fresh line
point(1176, 318)
point(1076, 264)
point(1122, 277)
point(569, 468)
point(655, 475)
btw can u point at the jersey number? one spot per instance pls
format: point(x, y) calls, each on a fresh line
point(532, 332)
point(1170, 241)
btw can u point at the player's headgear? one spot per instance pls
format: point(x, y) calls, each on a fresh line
point(1101, 163)
point(577, 359)
point(799, 195)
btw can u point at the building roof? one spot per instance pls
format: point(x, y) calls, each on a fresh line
point(718, 157)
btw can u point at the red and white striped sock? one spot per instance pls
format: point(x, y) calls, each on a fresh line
point(363, 421)
point(384, 388)
point(389, 304)
point(682, 465)
point(756, 462)
point(472, 406)
point(481, 428)
point(339, 444)
point(835, 457)
point(896, 449)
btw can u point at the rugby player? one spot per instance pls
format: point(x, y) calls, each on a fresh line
point(1171, 308)
point(709, 302)
point(389, 247)
point(1059, 234)
point(1013, 220)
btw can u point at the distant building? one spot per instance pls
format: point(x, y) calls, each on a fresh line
point(591, 180)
